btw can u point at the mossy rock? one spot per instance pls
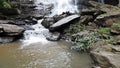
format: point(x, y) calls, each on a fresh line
point(104, 30)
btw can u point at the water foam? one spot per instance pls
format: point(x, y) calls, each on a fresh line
point(36, 35)
point(60, 6)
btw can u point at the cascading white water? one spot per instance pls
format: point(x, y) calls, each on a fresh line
point(60, 6)
point(36, 35)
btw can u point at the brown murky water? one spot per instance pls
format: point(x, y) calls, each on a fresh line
point(39, 55)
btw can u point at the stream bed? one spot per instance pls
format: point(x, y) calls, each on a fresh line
point(38, 55)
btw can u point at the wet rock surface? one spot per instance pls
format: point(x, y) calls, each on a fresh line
point(55, 36)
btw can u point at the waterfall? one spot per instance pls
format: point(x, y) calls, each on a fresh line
point(39, 32)
point(60, 6)
point(101, 1)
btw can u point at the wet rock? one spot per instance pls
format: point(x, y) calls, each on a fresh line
point(34, 21)
point(31, 21)
point(106, 55)
point(61, 23)
point(7, 22)
point(12, 30)
point(55, 36)
point(27, 27)
point(13, 11)
point(37, 16)
point(59, 17)
point(20, 23)
point(28, 5)
point(47, 22)
point(28, 21)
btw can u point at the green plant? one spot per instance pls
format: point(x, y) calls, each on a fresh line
point(74, 28)
point(85, 42)
point(4, 4)
point(104, 30)
point(117, 24)
point(110, 40)
point(102, 15)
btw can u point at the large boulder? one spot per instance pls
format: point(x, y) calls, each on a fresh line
point(63, 22)
point(11, 30)
point(47, 22)
point(55, 36)
point(106, 55)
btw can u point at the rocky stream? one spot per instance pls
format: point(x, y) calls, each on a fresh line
point(60, 34)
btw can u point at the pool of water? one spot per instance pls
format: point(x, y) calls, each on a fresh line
point(39, 55)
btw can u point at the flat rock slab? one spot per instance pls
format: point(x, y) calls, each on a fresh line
point(12, 30)
point(7, 22)
point(66, 20)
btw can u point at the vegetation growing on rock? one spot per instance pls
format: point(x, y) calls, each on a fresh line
point(4, 4)
point(85, 42)
point(104, 30)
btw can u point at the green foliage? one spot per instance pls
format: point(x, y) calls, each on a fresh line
point(110, 40)
point(85, 42)
point(74, 28)
point(4, 4)
point(104, 30)
point(117, 24)
point(102, 15)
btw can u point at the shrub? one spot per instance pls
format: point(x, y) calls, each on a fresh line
point(4, 4)
point(110, 40)
point(74, 28)
point(85, 42)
